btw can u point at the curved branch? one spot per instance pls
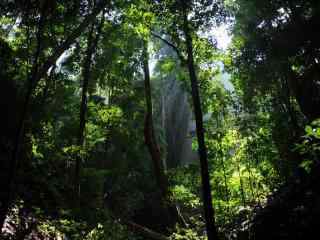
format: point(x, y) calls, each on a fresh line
point(68, 42)
point(170, 44)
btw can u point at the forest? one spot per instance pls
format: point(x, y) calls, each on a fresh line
point(159, 119)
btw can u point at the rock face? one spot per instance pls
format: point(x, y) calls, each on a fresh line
point(175, 117)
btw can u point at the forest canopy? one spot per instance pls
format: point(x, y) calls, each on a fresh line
point(127, 119)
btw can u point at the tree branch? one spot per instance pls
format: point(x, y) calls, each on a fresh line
point(67, 43)
point(146, 232)
point(170, 44)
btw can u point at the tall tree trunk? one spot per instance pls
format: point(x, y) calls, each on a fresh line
point(83, 109)
point(92, 43)
point(172, 212)
point(19, 135)
point(149, 136)
point(212, 232)
point(38, 71)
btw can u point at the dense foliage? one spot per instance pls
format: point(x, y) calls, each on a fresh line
point(125, 120)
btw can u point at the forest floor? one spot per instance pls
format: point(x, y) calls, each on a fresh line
point(292, 212)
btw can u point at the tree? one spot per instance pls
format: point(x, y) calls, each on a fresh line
point(149, 134)
point(92, 43)
point(275, 76)
point(175, 15)
point(207, 198)
point(38, 71)
point(271, 62)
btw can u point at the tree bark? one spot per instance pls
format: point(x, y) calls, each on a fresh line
point(149, 136)
point(212, 232)
point(172, 211)
point(92, 43)
point(83, 110)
